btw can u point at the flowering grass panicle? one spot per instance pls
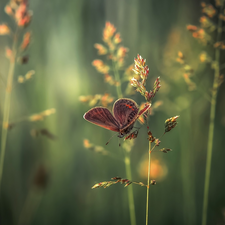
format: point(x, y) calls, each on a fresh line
point(142, 70)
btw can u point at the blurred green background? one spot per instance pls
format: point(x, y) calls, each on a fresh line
point(61, 53)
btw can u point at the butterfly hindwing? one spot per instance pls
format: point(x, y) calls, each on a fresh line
point(102, 117)
point(125, 111)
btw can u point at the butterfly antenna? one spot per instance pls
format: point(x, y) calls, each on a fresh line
point(110, 139)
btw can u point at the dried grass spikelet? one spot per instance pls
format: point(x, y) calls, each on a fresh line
point(26, 41)
point(4, 29)
point(117, 39)
point(165, 150)
point(170, 123)
point(199, 34)
point(189, 82)
point(110, 80)
point(142, 70)
point(207, 23)
point(205, 58)
point(180, 57)
point(208, 9)
point(100, 66)
point(94, 148)
point(116, 180)
point(23, 15)
point(108, 32)
point(44, 132)
point(42, 115)
point(102, 50)
point(28, 76)
point(92, 100)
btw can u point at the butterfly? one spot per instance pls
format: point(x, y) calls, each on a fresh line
point(125, 113)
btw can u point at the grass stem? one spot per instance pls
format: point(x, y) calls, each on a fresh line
point(127, 155)
point(30, 206)
point(117, 77)
point(7, 105)
point(148, 184)
point(211, 125)
point(130, 191)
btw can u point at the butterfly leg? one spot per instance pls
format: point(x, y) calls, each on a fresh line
point(132, 135)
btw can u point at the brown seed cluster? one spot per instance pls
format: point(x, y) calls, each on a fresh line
point(165, 150)
point(170, 123)
point(151, 138)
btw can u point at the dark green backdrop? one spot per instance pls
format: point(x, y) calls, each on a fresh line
point(61, 53)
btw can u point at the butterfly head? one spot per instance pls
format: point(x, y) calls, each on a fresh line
point(121, 135)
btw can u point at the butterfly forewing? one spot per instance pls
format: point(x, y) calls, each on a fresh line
point(102, 117)
point(125, 112)
point(147, 107)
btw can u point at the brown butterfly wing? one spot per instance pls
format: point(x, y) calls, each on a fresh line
point(125, 112)
point(147, 107)
point(102, 117)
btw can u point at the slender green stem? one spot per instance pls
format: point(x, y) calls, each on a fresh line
point(187, 169)
point(211, 126)
point(209, 150)
point(117, 77)
point(30, 206)
point(222, 66)
point(130, 191)
point(127, 155)
point(207, 96)
point(7, 106)
point(148, 184)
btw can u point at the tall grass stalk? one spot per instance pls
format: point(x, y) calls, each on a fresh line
point(187, 171)
point(126, 158)
point(212, 122)
point(148, 184)
point(30, 206)
point(117, 77)
point(7, 104)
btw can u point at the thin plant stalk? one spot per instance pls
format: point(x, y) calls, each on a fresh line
point(187, 171)
point(126, 158)
point(211, 125)
point(148, 184)
point(7, 104)
point(30, 206)
point(130, 191)
point(117, 77)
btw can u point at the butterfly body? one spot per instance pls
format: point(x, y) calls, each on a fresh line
point(125, 113)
